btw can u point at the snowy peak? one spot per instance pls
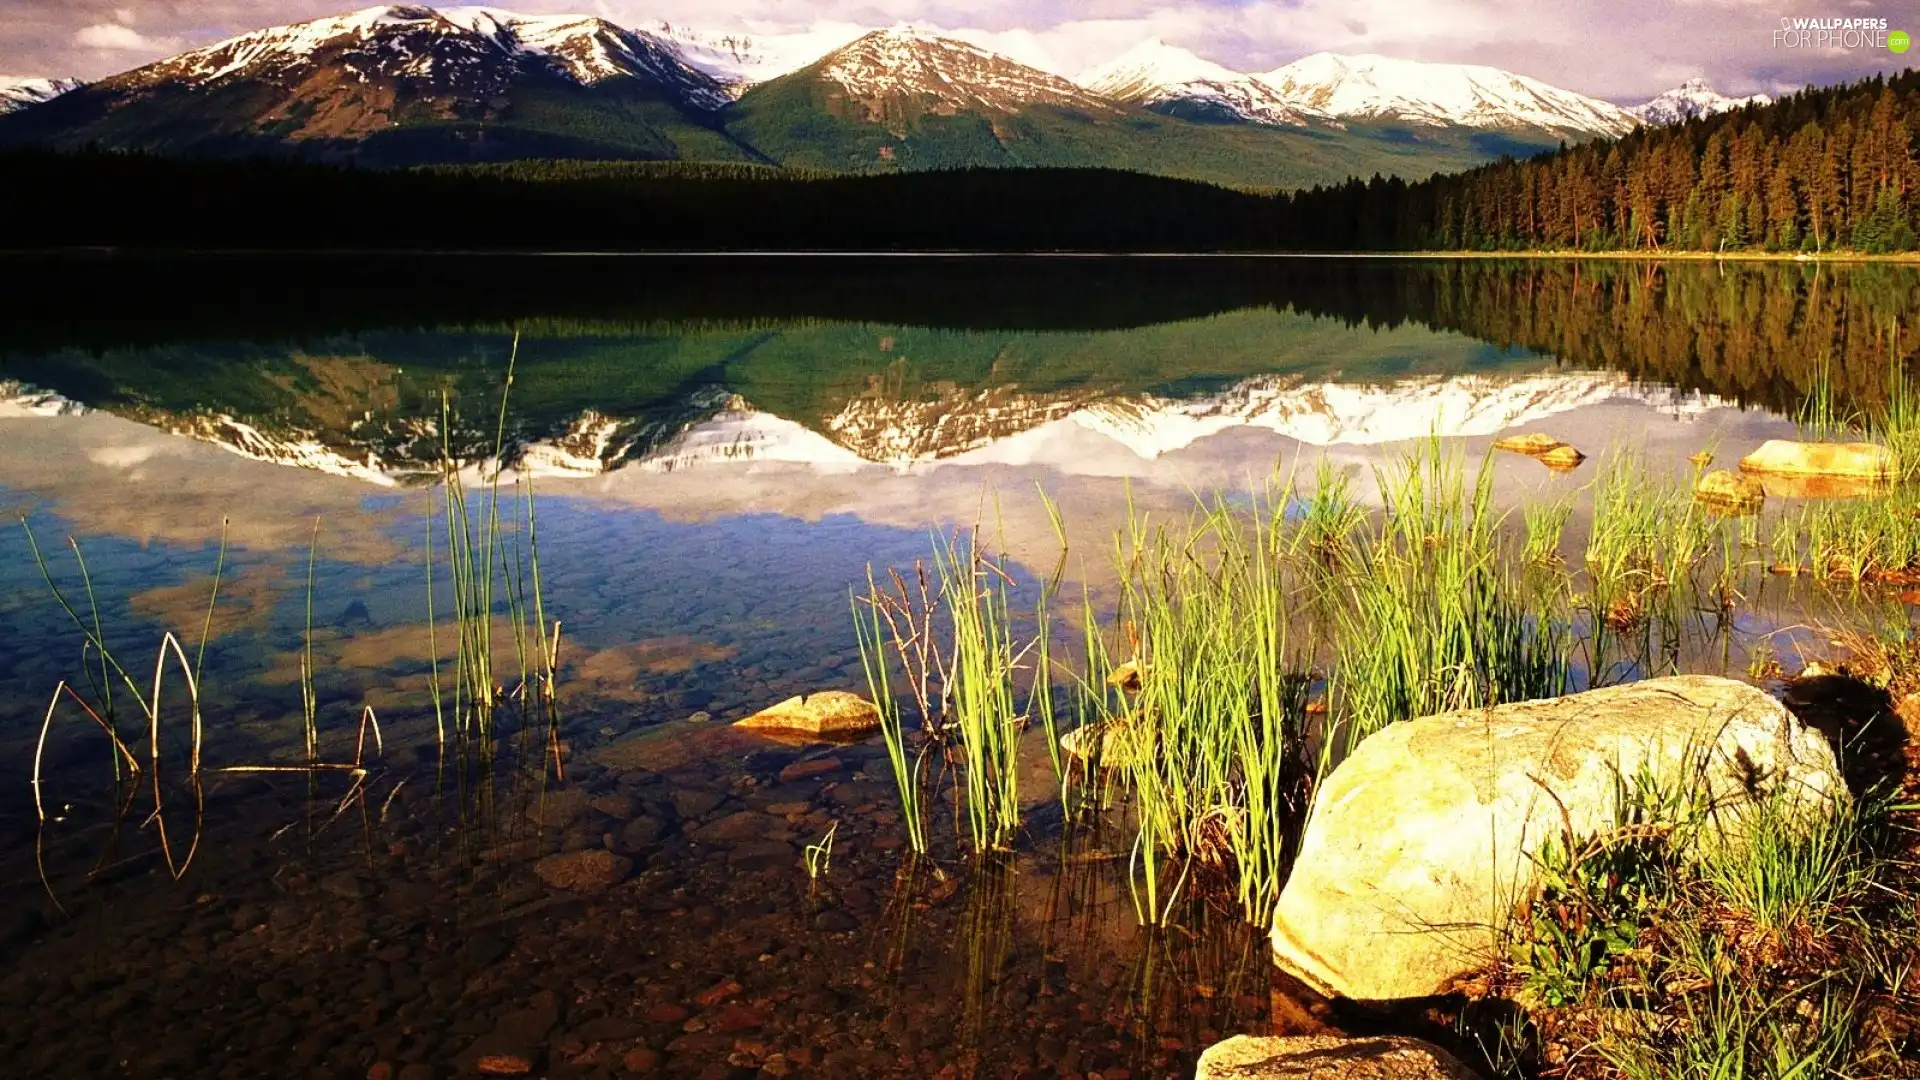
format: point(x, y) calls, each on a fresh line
point(1147, 67)
point(1173, 80)
point(1372, 87)
point(1689, 101)
point(737, 61)
point(17, 93)
point(469, 49)
point(886, 66)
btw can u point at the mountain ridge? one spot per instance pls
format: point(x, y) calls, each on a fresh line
point(407, 84)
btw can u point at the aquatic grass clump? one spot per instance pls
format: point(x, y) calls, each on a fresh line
point(491, 565)
point(953, 640)
point(1546, 524)
point(982, 714)
point(1216, 736)
point(1330, 518)
point(1434, 619)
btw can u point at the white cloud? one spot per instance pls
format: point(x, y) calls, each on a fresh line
point(116, 37)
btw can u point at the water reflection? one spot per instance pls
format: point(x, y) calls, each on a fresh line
point(711, 478)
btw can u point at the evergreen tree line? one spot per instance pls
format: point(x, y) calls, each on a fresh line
point(137, 201)
point(1819, 170)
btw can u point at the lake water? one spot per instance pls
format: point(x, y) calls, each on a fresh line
point(719, 451)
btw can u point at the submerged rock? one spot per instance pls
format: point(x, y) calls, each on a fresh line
point(833, 714)
point(1788, 458)
point(1731, 490)
point(1114, 744)
point(584, 871)
point(1421, 842)
point(1328, 1057)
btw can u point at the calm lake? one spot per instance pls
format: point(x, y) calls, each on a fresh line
point(718, 453)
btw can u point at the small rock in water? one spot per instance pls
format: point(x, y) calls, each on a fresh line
point(1731, 490)
point(829, 713)
point(733, 829)
point(801, 770)
point(1555, 454)
point(717, 993)
point(557, 809)
point(583, 871)
point(701, 717)
point(618, 807)
point(835, 922)
point(694, 802)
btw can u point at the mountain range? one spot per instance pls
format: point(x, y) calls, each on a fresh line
point(404, 85)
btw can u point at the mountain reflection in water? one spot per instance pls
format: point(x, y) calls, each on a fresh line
point(718, 452)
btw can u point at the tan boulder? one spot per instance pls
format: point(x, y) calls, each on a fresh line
point(1532, 444)
point(1788, 458)
point(1731, 491)
point(829, 714)
point(1555, 454)
point(1421, 843)
point(1561, 458)
point(1328, 1057)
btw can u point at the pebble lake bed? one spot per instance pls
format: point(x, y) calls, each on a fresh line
point(312, 861)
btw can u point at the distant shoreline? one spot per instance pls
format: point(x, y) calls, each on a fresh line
point(135, 252)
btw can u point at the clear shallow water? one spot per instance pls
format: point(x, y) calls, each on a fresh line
point(712, 479)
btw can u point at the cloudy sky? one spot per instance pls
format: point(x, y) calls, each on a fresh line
point(1625, 50)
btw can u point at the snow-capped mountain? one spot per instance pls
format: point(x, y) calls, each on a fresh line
point(1690, 100)
point(17, 93)
point(1371, 87)
point(478, 49)
point(739, 60)
point(1175, 81)
point(405, 84)
point(881, 70)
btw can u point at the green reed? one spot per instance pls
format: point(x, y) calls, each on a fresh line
point(982, 713)
point(1546, 525)
point(493, 571)
point(1436, 619)
point(1213, 746)
point(1331, 517)
point(870, 630)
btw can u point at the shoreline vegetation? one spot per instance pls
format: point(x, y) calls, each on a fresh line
point(1256, 644)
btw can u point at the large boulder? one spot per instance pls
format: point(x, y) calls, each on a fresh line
point(1421, 843)
point(1328, 1057)
point(1784, 457)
